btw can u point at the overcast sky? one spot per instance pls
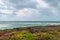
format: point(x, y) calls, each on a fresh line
point(29, 10)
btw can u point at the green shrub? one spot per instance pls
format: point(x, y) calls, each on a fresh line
point(24, 35)
point(27, 36)
point(15, 38)
point(44, 36)
point(5, 38)
point(44, 29)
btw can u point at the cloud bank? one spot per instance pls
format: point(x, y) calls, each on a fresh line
point(32, 10)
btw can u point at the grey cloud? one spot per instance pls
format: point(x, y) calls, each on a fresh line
point(53, 3)
point(19, 4)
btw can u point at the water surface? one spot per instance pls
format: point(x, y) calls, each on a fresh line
point(16, 24)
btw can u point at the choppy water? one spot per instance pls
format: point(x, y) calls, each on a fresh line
point(16, 24)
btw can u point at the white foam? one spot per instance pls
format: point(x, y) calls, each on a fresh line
point(4, 25)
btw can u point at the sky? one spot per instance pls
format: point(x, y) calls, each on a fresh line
point(29, 10)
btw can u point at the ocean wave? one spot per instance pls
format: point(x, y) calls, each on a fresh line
point(4, 25)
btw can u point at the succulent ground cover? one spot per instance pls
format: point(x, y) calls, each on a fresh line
point(32, 33)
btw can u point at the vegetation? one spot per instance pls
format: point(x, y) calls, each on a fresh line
point(44, 33)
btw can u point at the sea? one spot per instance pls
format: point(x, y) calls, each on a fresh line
point(18, 24)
